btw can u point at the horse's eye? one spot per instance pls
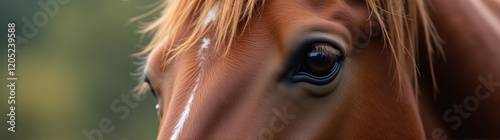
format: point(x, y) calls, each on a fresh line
point(320, 64)
point(146, 79)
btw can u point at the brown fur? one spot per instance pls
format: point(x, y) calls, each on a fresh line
point(374, 95)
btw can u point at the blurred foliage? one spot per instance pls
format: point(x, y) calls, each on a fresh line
point(74, 68)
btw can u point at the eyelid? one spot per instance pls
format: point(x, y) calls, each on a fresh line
point(146, 79)
point(302, 44)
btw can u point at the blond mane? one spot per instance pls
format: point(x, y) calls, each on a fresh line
point(400, 21)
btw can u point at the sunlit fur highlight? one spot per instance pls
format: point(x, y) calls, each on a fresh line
point(399, 20)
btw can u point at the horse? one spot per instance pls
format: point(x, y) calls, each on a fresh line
point(324, 69)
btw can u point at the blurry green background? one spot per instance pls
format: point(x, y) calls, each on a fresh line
point(74, 68)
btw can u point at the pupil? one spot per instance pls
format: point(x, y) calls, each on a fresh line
point(318, 58)
point(318, 63)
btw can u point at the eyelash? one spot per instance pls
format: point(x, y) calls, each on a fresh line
point(146, 80)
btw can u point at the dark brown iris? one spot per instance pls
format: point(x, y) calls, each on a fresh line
point(320, 60)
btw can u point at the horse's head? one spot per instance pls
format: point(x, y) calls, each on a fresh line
point(287, 68)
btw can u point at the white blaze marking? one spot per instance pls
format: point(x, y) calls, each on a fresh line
point(211, 15)
point(201, 56)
